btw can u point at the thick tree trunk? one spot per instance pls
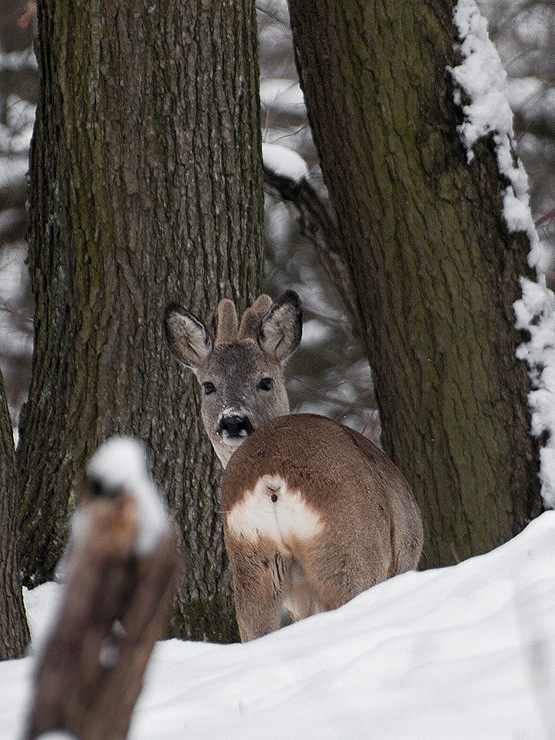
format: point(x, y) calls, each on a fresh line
point(14, 633)
point(146, 187)
point(435, 271)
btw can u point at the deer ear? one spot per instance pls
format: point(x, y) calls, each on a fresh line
point(188, 338)
point(282, 327)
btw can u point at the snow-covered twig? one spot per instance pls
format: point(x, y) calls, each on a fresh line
point(314, 220)
point(284, 162)
point(120, 465)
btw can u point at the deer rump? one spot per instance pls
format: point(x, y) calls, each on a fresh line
point(314, 515)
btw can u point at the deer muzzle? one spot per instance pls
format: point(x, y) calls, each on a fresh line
point(234, 429)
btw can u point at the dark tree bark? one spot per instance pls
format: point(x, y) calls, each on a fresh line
point(435, 271)
point(90, 673)
point(14, 633)
point(146, 187)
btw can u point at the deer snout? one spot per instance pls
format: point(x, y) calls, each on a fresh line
point(234, 428)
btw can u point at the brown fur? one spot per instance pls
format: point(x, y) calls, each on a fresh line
point(252, 318)
point(227, 322)
point(372, 525)
point(361, 522)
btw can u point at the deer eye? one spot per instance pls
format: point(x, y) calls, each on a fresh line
point(266, 384)
point(208, 388)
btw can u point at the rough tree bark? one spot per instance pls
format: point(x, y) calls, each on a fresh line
point(91, 668)
point(435, 271)
point(146, 187)
point(14, 633)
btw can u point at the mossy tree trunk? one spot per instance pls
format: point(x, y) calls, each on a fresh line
point(14, 633)
point(435, 271)
point(146, 187)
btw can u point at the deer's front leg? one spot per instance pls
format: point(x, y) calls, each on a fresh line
point(259, 573)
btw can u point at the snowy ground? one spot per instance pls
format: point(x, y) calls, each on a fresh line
point(466, 652)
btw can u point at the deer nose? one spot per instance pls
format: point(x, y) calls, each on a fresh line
point(235, 426)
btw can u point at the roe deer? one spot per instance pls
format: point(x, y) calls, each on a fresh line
point(314, 513)
point(241, 371)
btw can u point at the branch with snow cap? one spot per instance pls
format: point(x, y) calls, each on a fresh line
point(120, 466)
point(120, 570)
point(481, 79)
point(286, 178)
point(284, 162)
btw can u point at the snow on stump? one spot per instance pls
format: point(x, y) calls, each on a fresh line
point(119, 576)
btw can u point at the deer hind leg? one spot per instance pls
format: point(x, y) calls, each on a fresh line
point(337, 575)
point(259, 573)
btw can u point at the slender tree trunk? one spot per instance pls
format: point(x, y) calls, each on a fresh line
point(14, 633)
point(146, 187)
point(435, 271)
point(89, 675)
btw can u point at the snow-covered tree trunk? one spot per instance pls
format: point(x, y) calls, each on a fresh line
point(435, 270)
point(146, 187)
point(119, 576)
point(14, 633)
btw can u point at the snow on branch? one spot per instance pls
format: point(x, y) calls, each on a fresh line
point(481, 91)
point(119, 581)
point(120, 464)
point(284, 162)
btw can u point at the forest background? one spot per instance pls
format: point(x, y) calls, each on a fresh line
point(331, 374)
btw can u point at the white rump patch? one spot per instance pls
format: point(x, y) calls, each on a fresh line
point(275, 512)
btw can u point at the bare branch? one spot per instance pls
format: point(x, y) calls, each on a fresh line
point(318, 226)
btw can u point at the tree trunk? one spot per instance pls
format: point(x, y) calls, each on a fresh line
point(14, 633)
point(90, 672)
point(146, 187)
point(435, 271)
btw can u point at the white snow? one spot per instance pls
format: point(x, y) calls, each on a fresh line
point(282, 94)
point(535, 313)
point(121, 462)
point(15, 61)
point(15, 135)
point(482, 79)
point(284, 162)
point(459, 653)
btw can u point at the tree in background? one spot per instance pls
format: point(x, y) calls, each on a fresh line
point(14, 633)
point(145, 187)
point(434, 269)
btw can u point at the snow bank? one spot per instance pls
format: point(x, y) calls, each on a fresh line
point(482, 80)
point(459, 653)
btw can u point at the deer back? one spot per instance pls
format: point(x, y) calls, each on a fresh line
point(324, 507)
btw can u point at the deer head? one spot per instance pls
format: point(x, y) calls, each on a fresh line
point(241, 370)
